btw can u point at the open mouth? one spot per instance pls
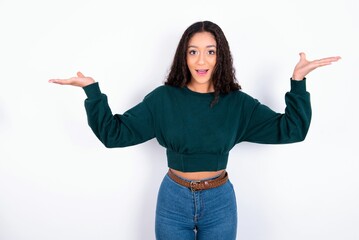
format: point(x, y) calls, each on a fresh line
point(202, 71)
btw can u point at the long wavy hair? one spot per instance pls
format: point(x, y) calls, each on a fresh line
point(223, 76)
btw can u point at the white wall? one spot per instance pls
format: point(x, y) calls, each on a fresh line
point(57, 181)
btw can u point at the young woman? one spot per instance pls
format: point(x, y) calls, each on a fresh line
point(199, 115)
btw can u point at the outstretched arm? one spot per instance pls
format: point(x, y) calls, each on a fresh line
point(113, 130)
point(304, 66)
point(267, 126)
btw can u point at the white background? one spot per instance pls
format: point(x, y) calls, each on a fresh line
point(57, 181)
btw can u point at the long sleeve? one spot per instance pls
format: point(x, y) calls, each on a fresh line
point(135, 126)
point(267, 126)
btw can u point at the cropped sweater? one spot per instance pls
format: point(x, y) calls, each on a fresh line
point(198, 137)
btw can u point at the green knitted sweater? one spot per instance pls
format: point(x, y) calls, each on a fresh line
point(198, 137)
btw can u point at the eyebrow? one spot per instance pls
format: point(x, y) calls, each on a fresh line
point(193, 46)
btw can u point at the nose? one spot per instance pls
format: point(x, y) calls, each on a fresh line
point(201, 58)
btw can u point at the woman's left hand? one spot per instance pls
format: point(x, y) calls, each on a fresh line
point(304, 66)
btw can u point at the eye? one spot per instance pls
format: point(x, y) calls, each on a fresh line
point(212, 52)
point(192, 52)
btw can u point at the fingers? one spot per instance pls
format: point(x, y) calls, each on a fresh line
point(326, 61)
point(79, 74)
point(57, 81)
point(60, 81)
point(330, 59)
point(302, 56)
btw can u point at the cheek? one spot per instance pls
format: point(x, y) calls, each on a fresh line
point(213, 61)
point(190, 62)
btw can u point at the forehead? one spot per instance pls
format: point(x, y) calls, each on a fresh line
point(202, 39)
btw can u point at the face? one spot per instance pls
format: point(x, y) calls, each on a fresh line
point(201, 59)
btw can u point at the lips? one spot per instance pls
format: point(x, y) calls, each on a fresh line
point(202, 71)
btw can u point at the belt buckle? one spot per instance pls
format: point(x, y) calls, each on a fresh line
point(193, 184)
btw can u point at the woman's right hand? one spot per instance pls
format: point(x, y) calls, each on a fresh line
point(79, 81)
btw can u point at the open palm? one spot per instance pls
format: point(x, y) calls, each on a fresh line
point(304, 66)
point(79, 81)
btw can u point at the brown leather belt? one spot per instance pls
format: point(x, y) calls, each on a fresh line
point(201, 184)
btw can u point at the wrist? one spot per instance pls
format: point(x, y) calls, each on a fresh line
point(297, 77)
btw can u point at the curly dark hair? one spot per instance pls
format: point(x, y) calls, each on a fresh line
point(223, 77)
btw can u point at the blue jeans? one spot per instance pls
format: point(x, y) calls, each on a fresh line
point(203, 215)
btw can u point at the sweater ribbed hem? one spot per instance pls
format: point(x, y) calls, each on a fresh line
point(196, 162)
point(298, 87)
point(92, 90)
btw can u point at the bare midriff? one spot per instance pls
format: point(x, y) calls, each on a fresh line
point(196, 176)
